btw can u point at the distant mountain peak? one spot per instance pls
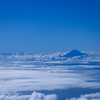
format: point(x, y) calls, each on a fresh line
point(73, 53)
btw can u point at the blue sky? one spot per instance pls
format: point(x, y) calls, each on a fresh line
point(49, 25)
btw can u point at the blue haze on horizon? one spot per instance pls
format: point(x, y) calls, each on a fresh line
point(49, 25)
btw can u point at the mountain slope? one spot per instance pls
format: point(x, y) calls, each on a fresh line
point(74, 53)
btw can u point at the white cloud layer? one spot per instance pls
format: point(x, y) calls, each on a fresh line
point(48, 79)
point(34, 96)
point(39, 96)
point(30, 72)
point(93, 96)
point(89, 56)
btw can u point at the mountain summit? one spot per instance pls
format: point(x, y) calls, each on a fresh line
point(73, 53)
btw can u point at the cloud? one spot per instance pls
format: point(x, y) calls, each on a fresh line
point(19, 74)
point(51, 58)
point(45, 79)
point(39, 96)
point(93, 96)
point(34, 96)
point(14, 97)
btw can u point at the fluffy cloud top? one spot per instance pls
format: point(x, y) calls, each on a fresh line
point(93, 96)
point(88, 56)
point(39, 96)
point(34, 96)
point(23, 72)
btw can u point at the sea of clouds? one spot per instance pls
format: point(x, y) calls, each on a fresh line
point(33, 96)
point(10, 59)
point(36, 72)
point(93, 96)
point(40, 96)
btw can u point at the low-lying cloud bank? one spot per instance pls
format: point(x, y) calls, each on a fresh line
point(40, 96)
point(29, 72)
point(34, 96)
point(58, 56)
point(93, 96)
point(33, 60)
point(24, 80)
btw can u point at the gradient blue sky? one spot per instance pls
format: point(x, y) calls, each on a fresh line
point(49, 25)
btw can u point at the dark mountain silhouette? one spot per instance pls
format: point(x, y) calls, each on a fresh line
point(73, 53)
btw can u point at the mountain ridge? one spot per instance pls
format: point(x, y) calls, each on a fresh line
point(74, 53)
